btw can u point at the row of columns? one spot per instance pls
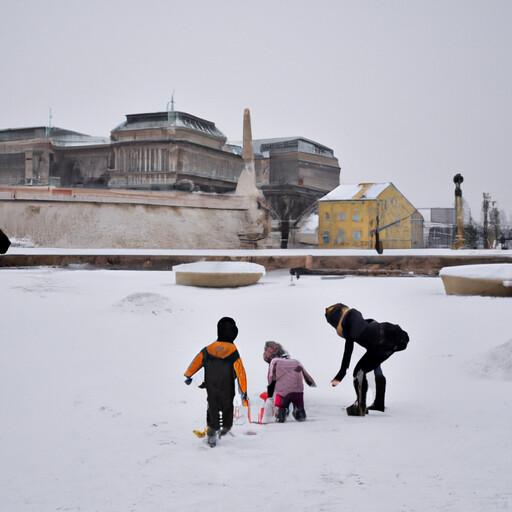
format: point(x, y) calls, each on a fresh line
point(142, 159)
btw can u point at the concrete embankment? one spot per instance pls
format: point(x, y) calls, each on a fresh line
point(401, 264)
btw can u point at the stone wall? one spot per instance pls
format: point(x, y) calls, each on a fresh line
point(80, 218)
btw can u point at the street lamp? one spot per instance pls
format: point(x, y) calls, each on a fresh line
point(459, 220)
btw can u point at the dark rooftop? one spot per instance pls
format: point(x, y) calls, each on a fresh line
point(170, 119)
point(34, 132)
point(291, 144)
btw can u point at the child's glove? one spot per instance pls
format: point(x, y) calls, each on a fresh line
point(188, 381)
point(245, 400)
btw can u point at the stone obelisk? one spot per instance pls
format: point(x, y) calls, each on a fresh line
point(257, 218)
point(246, 185)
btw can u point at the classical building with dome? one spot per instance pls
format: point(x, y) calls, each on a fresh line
point(171, 150)
point(164, 150)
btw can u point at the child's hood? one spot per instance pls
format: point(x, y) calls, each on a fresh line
point(227, 330)
point(221, 349)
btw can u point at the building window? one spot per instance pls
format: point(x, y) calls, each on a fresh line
point(325, 237)
point(356, 235)
point(356, 217)
point(340, 237)
point(342, 216)
point(327, 216)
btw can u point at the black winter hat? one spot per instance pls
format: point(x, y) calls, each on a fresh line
point(226, 329)
point(333, 313)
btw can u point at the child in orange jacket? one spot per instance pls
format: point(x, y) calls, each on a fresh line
point(222, 364)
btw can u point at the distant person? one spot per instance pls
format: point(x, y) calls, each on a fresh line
point(222, 364)
point(380, 339)
point(4, 242)
point(285, 380)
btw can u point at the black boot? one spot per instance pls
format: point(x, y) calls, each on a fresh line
point(358, 408)
point(281, 414)
point(212, 436)
point(380, 392)
point(299, 414)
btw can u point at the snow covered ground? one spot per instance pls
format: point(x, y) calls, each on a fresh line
point(95, 415)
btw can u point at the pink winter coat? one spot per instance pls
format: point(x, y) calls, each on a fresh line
point(288, 375)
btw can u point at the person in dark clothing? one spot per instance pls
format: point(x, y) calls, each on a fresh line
point(222, 364)
point(4, 242)
point(380, 339)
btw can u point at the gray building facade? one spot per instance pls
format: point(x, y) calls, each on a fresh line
point(170, 150)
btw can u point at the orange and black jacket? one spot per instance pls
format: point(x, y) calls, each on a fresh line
point(222, 364)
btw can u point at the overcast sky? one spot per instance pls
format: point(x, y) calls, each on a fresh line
point(405, 91)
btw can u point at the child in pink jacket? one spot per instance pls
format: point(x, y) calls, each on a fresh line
point(285, 380)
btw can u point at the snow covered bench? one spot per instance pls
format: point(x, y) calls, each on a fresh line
point(493, 279)
point(218, 274)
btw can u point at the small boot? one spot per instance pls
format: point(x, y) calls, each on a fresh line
point(281, 414)
point(299, 414)
point(211, 437)
point(380, 392)
point(224, 431)
point(358, 408)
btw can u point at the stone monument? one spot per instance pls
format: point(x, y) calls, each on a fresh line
point(258, 218)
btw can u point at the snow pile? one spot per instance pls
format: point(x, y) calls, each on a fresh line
point(492, 272)
point(144, 303)
point(496, 363)
point(221, 267)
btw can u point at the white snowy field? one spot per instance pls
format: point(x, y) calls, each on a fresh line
point(95, 415)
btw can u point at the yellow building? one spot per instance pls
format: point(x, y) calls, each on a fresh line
point(350, 214)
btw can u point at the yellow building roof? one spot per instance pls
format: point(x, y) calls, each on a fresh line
point(351, 192)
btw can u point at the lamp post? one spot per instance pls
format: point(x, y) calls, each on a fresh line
point(459, 220)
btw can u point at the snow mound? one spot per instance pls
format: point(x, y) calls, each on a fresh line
point(145, 303)
point(497, 363)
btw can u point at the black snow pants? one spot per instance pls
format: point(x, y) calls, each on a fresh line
point(381, 340)
point(220, 411)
